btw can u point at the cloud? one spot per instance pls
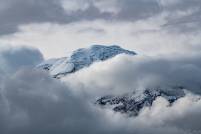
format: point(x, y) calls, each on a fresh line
point(166, 3)
point(185, 17)
point(179, 114)
point(124, 74)
point(41, 104)
point(146, 37)
point(19, 12)
point(181, 14)
point(140, 25)
point(22, 12)
point(14, 58)
point(33, 102)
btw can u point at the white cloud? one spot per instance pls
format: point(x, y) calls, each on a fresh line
point(33, 102)
point(73, 5)
point(168, 2)
point(124, 74)
point(180, 114)
point(111, 6)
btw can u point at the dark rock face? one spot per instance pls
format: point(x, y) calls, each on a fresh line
point(132, 103)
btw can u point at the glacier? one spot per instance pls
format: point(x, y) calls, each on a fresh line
point(81, 58)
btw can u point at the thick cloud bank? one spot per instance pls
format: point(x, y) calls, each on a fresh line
point(127, 73)
point(33, 102)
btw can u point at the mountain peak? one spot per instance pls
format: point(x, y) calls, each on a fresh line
point(82, 57)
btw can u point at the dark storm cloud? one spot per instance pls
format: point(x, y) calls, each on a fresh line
point(14, 13)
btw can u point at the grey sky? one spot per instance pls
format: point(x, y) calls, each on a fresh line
point(165, 33)
point(14, 13)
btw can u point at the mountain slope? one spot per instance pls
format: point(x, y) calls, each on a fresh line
point(81, 58)
point(132, 103)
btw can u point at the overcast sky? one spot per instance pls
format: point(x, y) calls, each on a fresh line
point(57, 27)
point(165, 34)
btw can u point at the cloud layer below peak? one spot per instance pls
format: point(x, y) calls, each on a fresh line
point(33, 102)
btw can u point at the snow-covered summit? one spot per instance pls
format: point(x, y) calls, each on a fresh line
point(81, 58)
